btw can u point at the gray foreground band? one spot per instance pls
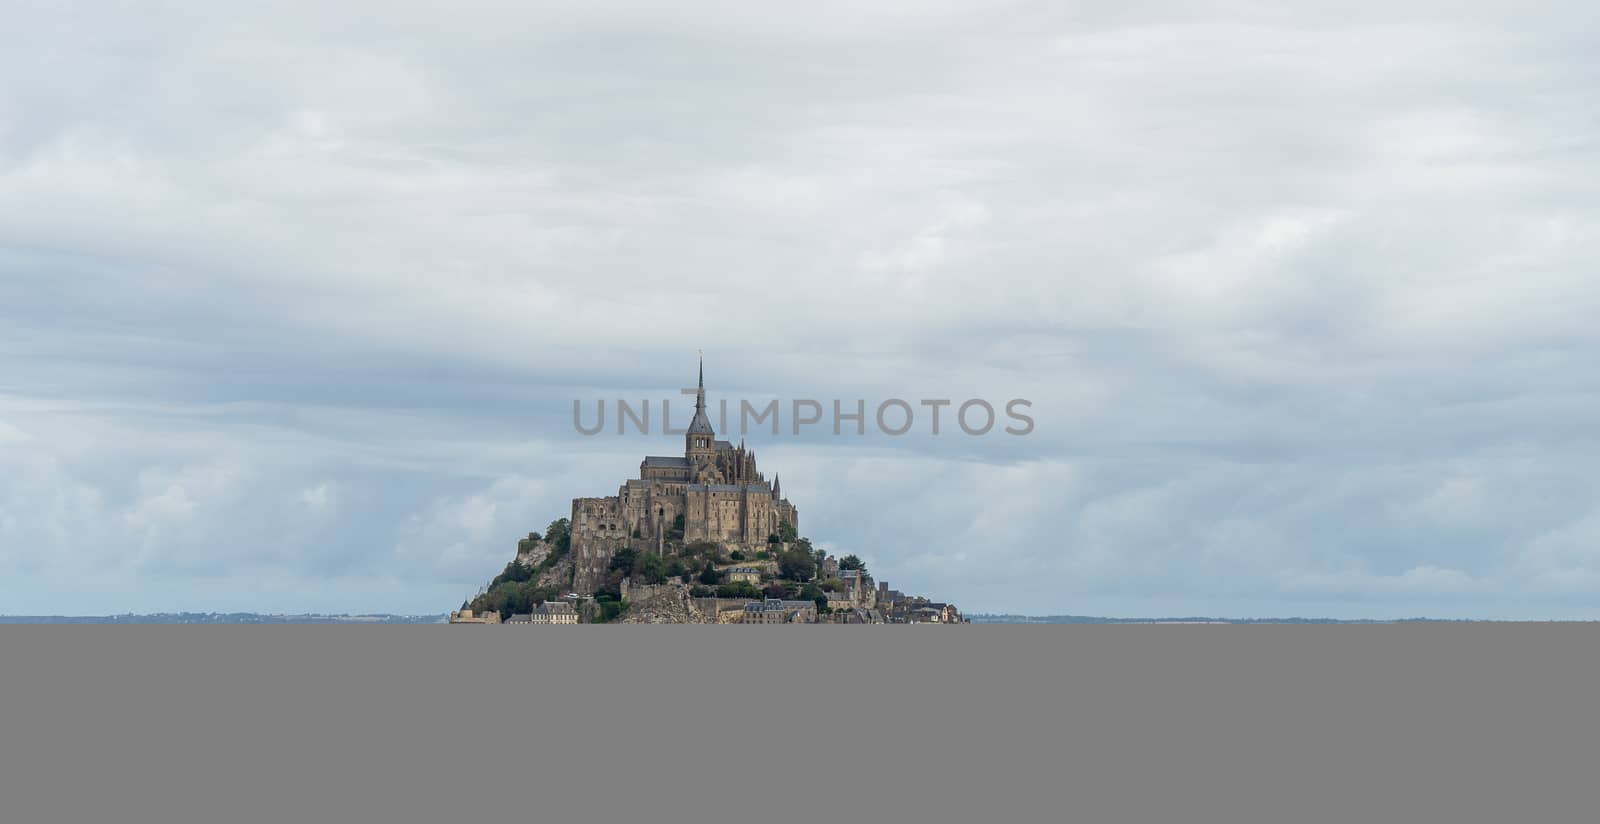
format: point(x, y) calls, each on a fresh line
point(1404, 723)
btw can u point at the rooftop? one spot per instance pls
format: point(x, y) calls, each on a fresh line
point(761, 487)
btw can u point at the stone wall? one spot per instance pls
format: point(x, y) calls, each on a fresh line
point(598, 531)
point(722, 610)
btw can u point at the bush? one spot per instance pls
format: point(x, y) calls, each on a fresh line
point(736, 555)
point(649, 568)
point(610, 610)
point(710, 576)
point(705, 549)
point(740, 589)
point(698, 591)
point(512, 598)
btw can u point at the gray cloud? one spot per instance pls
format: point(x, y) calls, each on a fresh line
point(294, 301)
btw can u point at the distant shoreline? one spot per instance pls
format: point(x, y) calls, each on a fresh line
point(1094, 619)
point(225, 618)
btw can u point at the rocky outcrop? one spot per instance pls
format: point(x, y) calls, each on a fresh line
point(532, 553)
point(559, 575)
point(663, 604)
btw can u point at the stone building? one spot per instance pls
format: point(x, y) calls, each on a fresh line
point(466, 616)
point(714, 488)
point(554, 612)
point(859, 586)
point(775, 611)
point(742, 574)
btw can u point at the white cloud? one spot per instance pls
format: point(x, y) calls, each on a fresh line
point(321, 500)
point(1303, 300)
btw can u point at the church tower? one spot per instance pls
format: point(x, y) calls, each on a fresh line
point(700, 442)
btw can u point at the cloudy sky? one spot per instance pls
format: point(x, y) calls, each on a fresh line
point(294, 302)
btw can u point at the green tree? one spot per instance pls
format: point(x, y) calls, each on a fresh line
point(649, 568)
point(710, 576)
point(559, 535)
point(623, 561)
point(738, 589)
point(786, 532)
point(736, 555)
point(797, 564)
point(811, 592)
point(852, 562)
point(513, 573)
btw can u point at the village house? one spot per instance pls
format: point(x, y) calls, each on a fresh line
point(743, 574)
point(777, 611)
point(554, 612)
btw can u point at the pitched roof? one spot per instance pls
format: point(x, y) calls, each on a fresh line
point(698, 425)
point(727, 488)
point(666, 460)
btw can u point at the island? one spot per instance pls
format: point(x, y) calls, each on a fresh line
point(701, 538)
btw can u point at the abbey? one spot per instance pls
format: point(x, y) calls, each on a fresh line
point(714, 488)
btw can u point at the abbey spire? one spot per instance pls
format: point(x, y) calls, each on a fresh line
point(700, 441)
